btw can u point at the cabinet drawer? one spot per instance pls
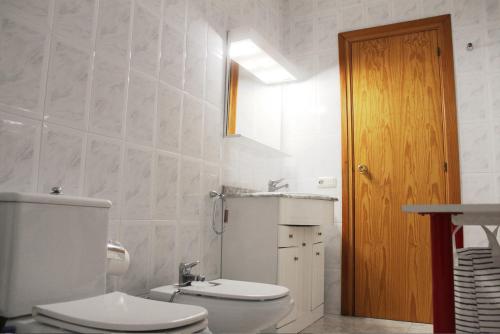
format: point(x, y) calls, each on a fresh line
point(317, 234)
point(289, 236)
point(295, 211)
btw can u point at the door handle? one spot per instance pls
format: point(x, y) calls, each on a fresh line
point(363, 169)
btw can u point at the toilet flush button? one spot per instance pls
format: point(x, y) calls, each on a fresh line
point(327, 182)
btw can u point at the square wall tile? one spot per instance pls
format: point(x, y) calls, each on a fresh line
point(212, 136)
point(169, 116)
point(35, 12)
point(164, 255)
point(145, 41)
point(493, 11)
point(141, 109)
point(406, 10)
point(67, 85)
point(468, 12)
point(20, 138)
point(192, 126)
point(166, 178)
point(436, 7)
point(172, 57)
point(477, 188)
point(472, 97)
point(136, 238)
point(196, 23)
point(22, 54)
point(196, 57)
point(493, 50)
point(107, 107)
point(137, 178)
point(327, 31)
point(189, 244)
point(102, 171)
point(190, 187)
point(475, 147)
point(302, 36)
point(112, 41)
point(62, 160)
point(74, 19)
point(465, 60)
point(377, 12)
point(215, 79)
point(174, 14)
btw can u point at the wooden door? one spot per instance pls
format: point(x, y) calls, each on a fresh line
point(398, 158)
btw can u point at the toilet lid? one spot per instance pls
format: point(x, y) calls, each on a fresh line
point(239, 290)
point(121, 312)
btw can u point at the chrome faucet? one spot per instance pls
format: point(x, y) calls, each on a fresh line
point(185, 275)
point(273, 185)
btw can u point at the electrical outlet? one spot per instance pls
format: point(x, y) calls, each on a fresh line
point(327, 182)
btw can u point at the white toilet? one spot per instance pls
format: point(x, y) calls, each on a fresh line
point(53, 273)
point(233, 306)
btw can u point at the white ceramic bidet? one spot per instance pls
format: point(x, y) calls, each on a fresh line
point(233, 306)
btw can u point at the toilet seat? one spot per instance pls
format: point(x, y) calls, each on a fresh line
point(228, 289)
point(119, 312)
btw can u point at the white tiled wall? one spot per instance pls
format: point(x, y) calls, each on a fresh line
point(311, 123)
point(122, 99)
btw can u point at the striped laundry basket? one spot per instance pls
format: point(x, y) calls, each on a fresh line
point(477, 287)
point(487, 281)
point(466, 312)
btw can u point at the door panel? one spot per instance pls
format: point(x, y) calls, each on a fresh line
point(305, 268)
point(288, 276)
point(398, 135)
point(318, 275)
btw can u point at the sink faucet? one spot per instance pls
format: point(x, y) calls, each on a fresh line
point(273, 185)
point(185, 275)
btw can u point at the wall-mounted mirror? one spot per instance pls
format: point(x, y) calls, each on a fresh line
point(256, 74)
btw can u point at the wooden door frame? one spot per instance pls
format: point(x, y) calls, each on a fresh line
point(442, 24)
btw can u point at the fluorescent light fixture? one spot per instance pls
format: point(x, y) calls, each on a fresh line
point(258, 57)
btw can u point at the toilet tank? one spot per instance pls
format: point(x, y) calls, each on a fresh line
point(52, 249)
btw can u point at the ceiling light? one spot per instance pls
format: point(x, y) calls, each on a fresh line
point(257, 56)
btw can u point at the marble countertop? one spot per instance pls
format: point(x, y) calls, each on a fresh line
point(284, 195)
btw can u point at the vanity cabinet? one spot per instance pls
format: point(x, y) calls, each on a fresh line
point(279, 240)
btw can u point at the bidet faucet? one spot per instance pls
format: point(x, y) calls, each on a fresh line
point(273, 185)
point(185, 275)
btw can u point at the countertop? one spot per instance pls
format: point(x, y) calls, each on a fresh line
point(463, 214)
point(284, 195)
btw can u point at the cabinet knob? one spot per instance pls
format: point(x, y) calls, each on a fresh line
point(290, 236)
point(304, 244)
point(319, 233)
point(317, 253)
point(296, 258)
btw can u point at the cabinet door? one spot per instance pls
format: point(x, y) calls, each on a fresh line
point(305, 269)
point(318, 275)
point(288, 276)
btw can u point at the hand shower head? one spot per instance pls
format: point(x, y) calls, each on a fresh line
point(214, 193)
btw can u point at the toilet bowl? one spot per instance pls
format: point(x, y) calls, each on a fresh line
point(111, 313)
point(53, 273)
point(233, 306)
